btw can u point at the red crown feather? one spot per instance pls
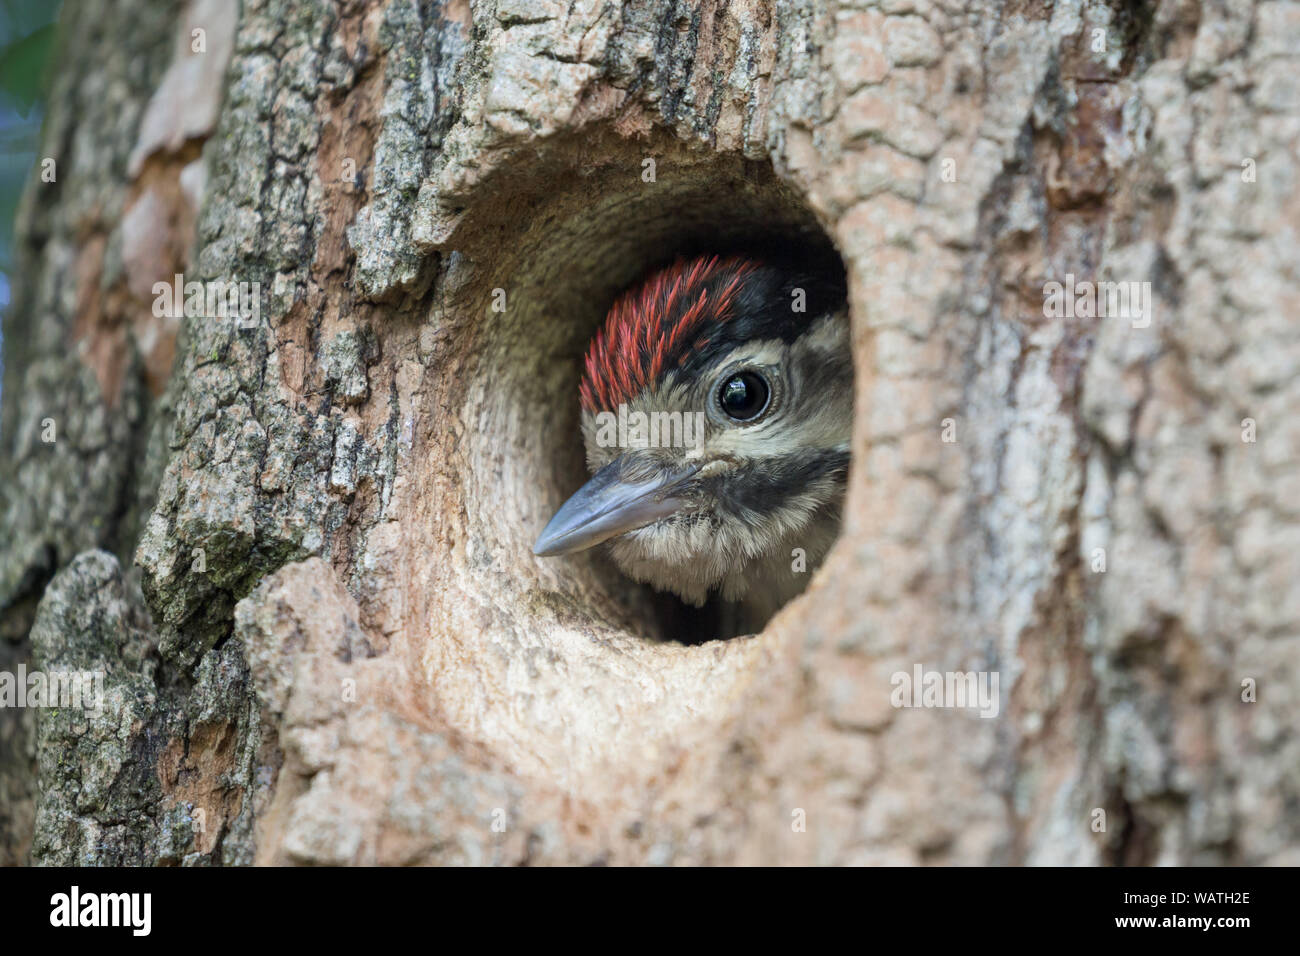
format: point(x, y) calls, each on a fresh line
point(657, 319)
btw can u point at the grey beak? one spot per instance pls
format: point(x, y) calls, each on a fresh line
point(608, 506)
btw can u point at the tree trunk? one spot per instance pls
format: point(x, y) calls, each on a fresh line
point(300, 552)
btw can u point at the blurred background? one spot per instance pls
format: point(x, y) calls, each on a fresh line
point(26, 40)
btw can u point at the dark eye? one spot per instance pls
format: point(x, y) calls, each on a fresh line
point(744, 396)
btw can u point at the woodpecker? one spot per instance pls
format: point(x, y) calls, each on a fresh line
point(748, 505)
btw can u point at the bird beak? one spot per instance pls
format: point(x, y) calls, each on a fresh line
point(608, 506)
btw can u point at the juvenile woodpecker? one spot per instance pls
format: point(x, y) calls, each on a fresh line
point(759, 357)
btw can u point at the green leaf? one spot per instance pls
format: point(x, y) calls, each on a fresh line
point(22, 68)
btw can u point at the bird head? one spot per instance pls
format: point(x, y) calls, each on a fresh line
point(716, 412)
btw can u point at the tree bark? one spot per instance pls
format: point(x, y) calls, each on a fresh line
point(299, 550)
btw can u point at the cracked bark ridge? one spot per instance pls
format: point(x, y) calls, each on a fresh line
point(361, 475)
point(164, 770)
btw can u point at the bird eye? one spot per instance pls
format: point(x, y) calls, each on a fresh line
point(744, 396)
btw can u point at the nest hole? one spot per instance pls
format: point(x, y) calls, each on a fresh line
point(565, 231)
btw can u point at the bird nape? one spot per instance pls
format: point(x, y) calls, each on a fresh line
point(716, 412)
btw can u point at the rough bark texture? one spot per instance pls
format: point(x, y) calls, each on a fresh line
point(303, 556)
